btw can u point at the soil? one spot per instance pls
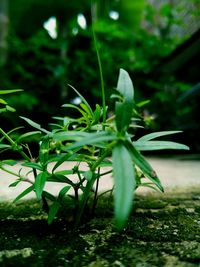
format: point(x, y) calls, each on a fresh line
point(163, 230)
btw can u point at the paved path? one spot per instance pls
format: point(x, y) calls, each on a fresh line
point(179, 172)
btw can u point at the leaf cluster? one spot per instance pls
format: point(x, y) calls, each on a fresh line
point(4, 103)
point(90, 143)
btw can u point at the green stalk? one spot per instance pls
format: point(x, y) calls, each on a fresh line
point(17, 175)
point(103, 156)
point(10, 172)
point(96, 193)
point(14, 144)
point(101, 75)
point(90, 184)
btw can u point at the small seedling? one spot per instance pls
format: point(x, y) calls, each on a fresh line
point(96, 141)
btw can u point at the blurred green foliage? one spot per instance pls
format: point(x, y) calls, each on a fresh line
point(136, 41)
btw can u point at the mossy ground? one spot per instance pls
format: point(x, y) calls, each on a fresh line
point(163, 230)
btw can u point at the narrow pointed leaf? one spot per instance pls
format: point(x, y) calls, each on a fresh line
point(86, 109)
point(44, 151)
point(63, 192)
point(35, 125)
point(9, 162)
point(57, 177)
point(49, 196)
point(4, 92)
point(159, 145)
point(9, 108)
point(24, 193)
point(151, 136)
point(93, 139)
point(33, 165)
point(28, 135)
point(8, 133)
point(2, 146)
point(2, 101)
point(83, 99)
point(123, 115)
point(61, 161)
point(84, 199)
point(53, 210)
point(88, 175)
point(14, 183)
point(124, 180)
point(97, 113)
point(40, 183)
point(69, 136)
point(74, 107)
point(143, 164)
point(125, 85)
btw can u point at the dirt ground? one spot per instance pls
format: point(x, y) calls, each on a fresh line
point(163, 229)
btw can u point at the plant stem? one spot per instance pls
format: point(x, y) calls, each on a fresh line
point(17, 175)
point(102, 174)
point(14, 144)
point(103, 156)
point(10, 172)
point(95, 194)
point(101, 74)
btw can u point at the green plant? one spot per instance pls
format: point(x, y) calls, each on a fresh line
point(5, 107)
point(96, 141)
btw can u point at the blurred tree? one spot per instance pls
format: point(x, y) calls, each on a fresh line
point(133, 35)
point(3, 30)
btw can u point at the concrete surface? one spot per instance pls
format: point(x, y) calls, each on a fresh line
point(174, 172)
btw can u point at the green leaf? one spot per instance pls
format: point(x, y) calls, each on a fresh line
point(9, 162)
point(149, 185)
point(48, 195)
point(83, 99)
point(24, 193)
point(86, 109)
point(27, 135)
point(84, 199)
point(2, 101)
point(35, 125)
point(125, 85)
point(74, 107)
point(40, 183)
point(4, 92)
point(14, 183)
point(58, 177)
point(94, 139)
point(63, 192)
point(61, 161)
point(53, 210)
point(4, 146)
point(124, 181)
point(151, 136)
point(8, 133)
point(144, 166)
point(123, 115)
point(88, 175)
point(33, 165)
point(9, 108)
point(159, 145)
point(97, 113)
point(69, 136)
point(2, 110)
point(44, 151)
point(143, 103)
point(63, 172)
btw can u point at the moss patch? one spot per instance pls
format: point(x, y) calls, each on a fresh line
point(162, 231)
